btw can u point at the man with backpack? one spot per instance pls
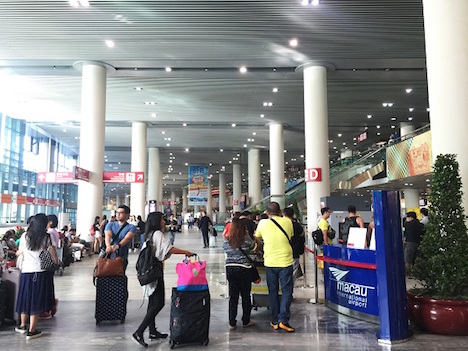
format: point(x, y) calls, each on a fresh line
point(352, 221)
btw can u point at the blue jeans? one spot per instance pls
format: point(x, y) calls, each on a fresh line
point(280, 309)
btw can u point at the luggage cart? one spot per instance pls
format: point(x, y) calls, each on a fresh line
point(259, 292)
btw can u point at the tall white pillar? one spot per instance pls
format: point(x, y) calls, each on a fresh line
point(277, 163)
point(184, 200)
point(154, 173)
point(316, 139)
point(209, 204)
point(446, 56)
point(406, 128)
point(411, 200)
point(126, 200)
point(222, 195)
point(236, 187)
point(254, 176)
point(159, 204)
point(117, 201)
point(137, 190)
point(92, 131)
point(173, 205)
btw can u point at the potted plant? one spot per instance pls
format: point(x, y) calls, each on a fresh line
point(440, 304)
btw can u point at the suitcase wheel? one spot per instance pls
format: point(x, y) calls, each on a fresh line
point(205, 342)
point(172, 343)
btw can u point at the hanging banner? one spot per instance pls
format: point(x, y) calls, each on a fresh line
point(55, 177)
point(123, 177)
point(198, 185)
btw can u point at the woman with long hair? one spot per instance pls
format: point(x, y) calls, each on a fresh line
point(35, 293)
point(163, 249)
point(237, 245)
point(97, 235)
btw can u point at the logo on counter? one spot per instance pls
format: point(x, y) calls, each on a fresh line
point(355, 294)
point(338, 273)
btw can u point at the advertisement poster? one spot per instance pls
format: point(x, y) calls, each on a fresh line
point(410, 157)
point(198, 185)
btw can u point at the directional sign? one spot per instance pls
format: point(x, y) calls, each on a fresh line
point(81, 173)
point(55, 177)
point(123, 177)
point(313, 175)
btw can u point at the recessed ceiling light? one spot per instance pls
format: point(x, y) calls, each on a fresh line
point(230, 161)
point(153, 115)
point(378, 127)
point(390, 104)
point(409, 90)
point(410, 118)
point(384, 104)
point(428, 109)
point(393, 127)
point(168, 144)
point(270, 104)
point(354, 138)
point(243, 69)
point(245, 145)
point(275, 90)
point(187, 149)
point(274, 69)
point(184, 124)
point(393, 118)
point(334, 147)
point(254, 133)
point(262, 115)
point(411, 109)
point(369, 116)
point(330, 141)
point(163, 132)
point(378, 133)
point(110, 43)
point(168, 69)
point(285, 150)
point(233, 125)
point(344, 143)
point(304, 2)
point(221, 150)
point(340, 135)
point(186, 163)
point(138, 88)
point(293, 43)
point(265, 104)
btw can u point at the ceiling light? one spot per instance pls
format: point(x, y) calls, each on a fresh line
point(153, 115)
point(390, 104)
point(427, 109)
point(221, 150)
point(315, 2)
point(275, 90)
point(384, 104)
point(410, 118)
point(305, 2)
point(270, 104)
point(330, 141)
point(354, 138)
point(186, 163)
point(340, 135)
point(393, 127)
point(187, 149)
point(233, 125)
point(409, 90)
point(411, 109)
point(378, 133)
point(344, 143)
point(110, 43)
point(163, 132)
point(184, 125)
point(78, 3)
point(245, 145)
point(378, 127)
point(254, 133)
point(168, 69)
point(369, 116)
point(393, 118)
point(262, 115)
point(285, 150)
point(168, 144)
point(243, 69)
point(265, 104)
point(138, 88)
point(230, 161)
point(293, 42)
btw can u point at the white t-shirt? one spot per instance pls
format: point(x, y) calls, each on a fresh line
point(31, 261)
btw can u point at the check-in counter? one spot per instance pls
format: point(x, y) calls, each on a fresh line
point(350, 278)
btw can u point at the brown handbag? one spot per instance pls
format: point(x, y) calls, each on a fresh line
point(109, 267)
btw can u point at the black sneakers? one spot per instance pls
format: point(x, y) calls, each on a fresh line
point(21, 329)
point(33, 335)
point(157, 335)
point(139, 339)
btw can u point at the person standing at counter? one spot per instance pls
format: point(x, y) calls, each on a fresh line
point(325, 226)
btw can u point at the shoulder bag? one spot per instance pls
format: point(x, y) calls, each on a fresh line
point(254, 276)
point(49, 258)
point(110, 267)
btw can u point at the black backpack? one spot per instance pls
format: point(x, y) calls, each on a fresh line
point(149, 268)
point(317, 235)
point(344, 228)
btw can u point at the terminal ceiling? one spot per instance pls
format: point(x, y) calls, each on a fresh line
point(377, 48)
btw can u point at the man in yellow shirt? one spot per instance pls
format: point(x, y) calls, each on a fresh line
point(325, 226)
point(278, 260)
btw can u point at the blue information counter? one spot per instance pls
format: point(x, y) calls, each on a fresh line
point(351, 282)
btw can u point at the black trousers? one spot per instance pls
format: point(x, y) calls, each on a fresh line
point(155, 304)
point(239, 284)
point(206, 241)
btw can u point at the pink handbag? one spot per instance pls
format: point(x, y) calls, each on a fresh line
point(191, 275)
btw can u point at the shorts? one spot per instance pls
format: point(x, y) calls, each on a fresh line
point(97, 234)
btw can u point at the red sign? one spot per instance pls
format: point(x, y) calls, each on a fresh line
point(123, 177)
point(5, 198)
point(361, 137)
point(55, 177)
point(313, 175)
point(21, 200)
point(81, 173)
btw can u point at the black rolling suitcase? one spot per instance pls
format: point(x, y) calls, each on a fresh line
point(111, 299)
point(190, 317)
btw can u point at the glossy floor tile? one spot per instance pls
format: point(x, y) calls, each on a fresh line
point(317, 327)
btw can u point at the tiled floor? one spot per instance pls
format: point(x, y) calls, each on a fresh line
point(317, 327)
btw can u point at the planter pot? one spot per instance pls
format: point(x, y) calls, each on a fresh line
point(449, 317)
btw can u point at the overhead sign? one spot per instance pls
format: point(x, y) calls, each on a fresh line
point(81, 174)
point(55, 177)
point(361, 137)
point(123, 177)
point(313, 175)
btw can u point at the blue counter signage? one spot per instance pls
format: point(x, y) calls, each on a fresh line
point(351, 279)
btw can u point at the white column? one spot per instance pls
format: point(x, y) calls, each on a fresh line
point(161, 192)
point(117, 201)
point(236, 187)
point(406, 128)
point(255, 185)
point(154, 173)
point(277, 163)
point(173, 205)
point(137, 190)
point(411, 200)
point(92, 131)
point(222, 194)
point(446, 56)
point(184, 200)
point(209, 204)
point(126, 200)
point(316, 138)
